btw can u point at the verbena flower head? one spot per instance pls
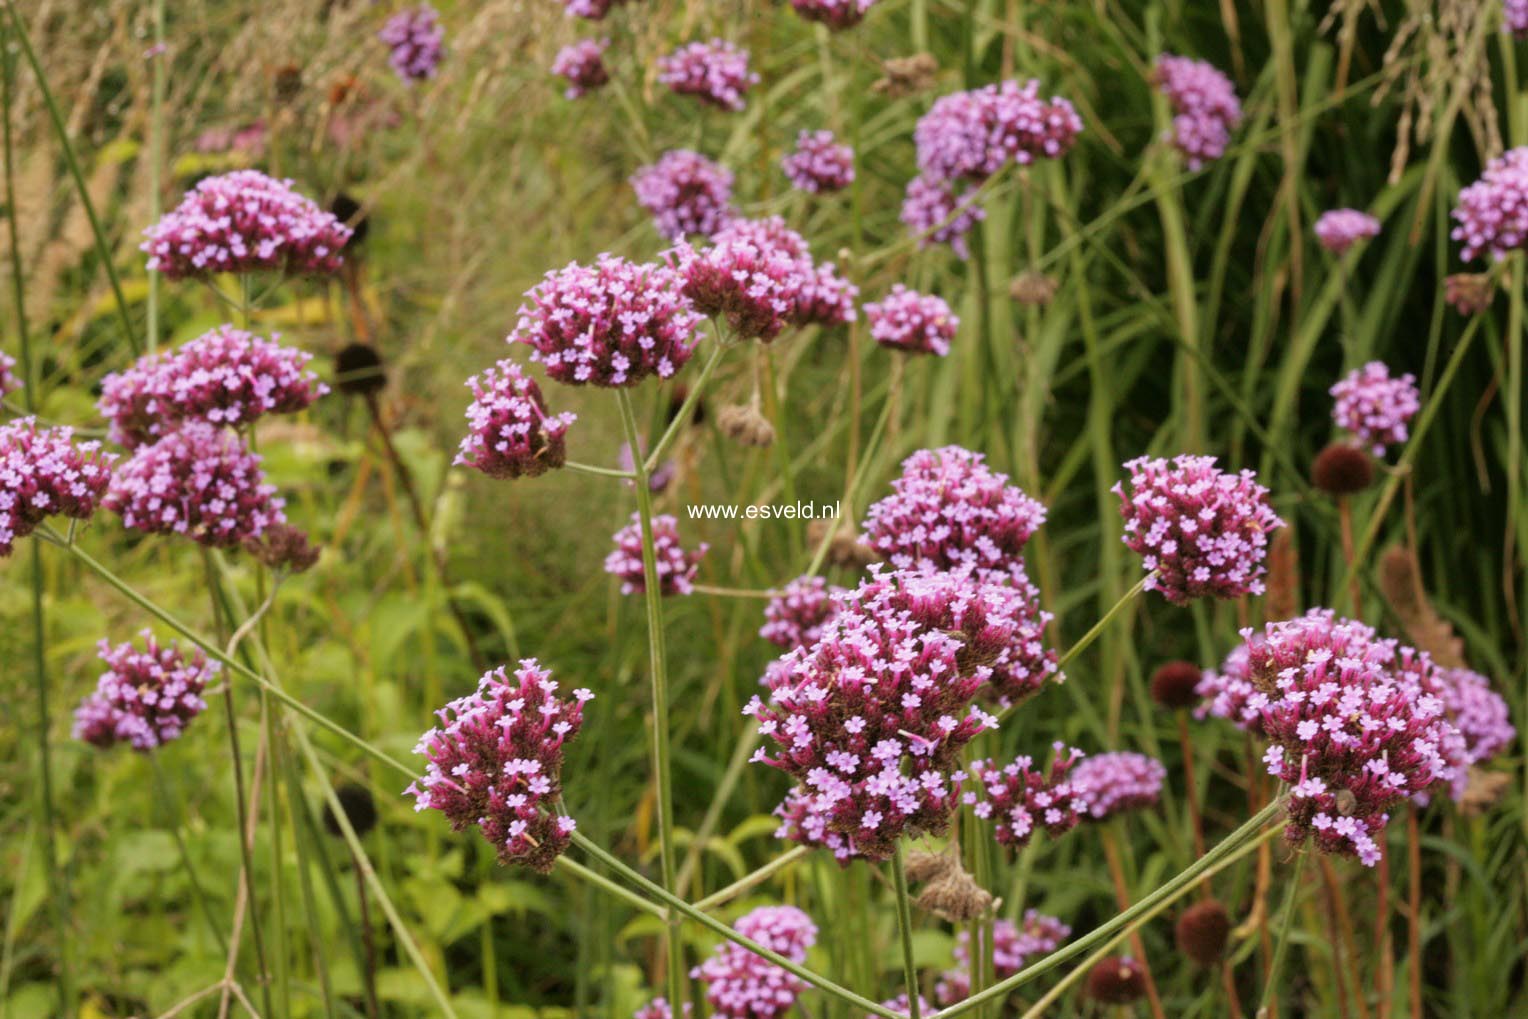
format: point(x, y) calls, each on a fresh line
point(1013, 948)
point(1493, 212)
point(495, 763)
point(935, 214)
point(1204, 104)
point(594, 10)
point(613, 323)
point(825, 298)
point(1374, 406)
point(1477, 711)
point(753, 287)
point(145, 698)
point(1110, 784)
point(714, 72)
point(909, 321)
point(870, 721)
point(836, 14)
point(973, 134)
point(1228, 693)
point(199, 481)
point(1200, 530)
point(769, 232)
point(225, 377)
point(902, 1006)
point(819, 164)
point(1514, 15)
point(676, 566)
point(743, 985)
point(1021, 799)
point(510, 434)
point(245, 221)
point(9, 380)
point(794, 617)
point(686, 194)
point(414, 36)
point(45, 473)
point(659, 1008)
point(1340, 229)
point(582, 64)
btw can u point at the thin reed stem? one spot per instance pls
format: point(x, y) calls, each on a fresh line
point(905, 929)
point(1269, 1004)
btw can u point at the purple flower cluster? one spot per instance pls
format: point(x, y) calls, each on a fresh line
point(819, 164)
point(9, 381)
point(1493, 211)
point(510, 434)
point(44, 473)
point(414, 36)
point(582, 64)
point(594, 10)
point(495, 763)
point(1205, 107)
point(245, 221)
point(1013, 948)
point(685, 193)
point(145, 698)
point(900, 1005)
point(1021, 799)
point(224, 377)
point(659, 1008)
point(836, 14)
point(870, 721)
point(676, 567)
point(909, 321)
point(610, 324)
point(1374, 406)
point(199, 481)
point(753, 286)
point(934, 214)
point(1514, 14)
point(743, 985)
point(1340, 229)
point(971, 135)
point(1229, 693)
point(794, 618)
point(1477, 711)
point(826, 298)
point(715, 72)
point(1111, 784)
point(1200, 530)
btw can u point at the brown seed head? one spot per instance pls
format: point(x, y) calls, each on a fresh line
point(1342, 469)
point(1032, 288)
point(1117, 980)
point(1469, 292)
point(1172, 685)
point(1202, 932)
point(743, 423)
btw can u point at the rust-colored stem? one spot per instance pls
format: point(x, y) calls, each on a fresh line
point(1345, 516)
point(1385, 978)
point(1342, 945)
point(1414, 910)
point(1122, 895)
point(1196, 821)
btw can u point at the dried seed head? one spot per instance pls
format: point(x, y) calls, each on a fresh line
point(1202, 932)
point(1469, 292)
point(283, 547)
point(1342, 469)
point(847, 549)
point(744, 424)
point(955, 897)
point(1173, 685)
point(349, 211)
point(1032, 288)
point(923, 867)
point(1118, 980)
point(1283, 600)
point(1400, 580)
point(358, 370)
point(286, 82)
point(906, 76)
point(359, 807)
point(1483, 791)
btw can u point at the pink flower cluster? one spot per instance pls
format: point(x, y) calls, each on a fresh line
point(973, 134)
point(933, 213)
point(1013, 948)
point(715, 72)
point(1205, 107)
point(1021, 799)
point(743, 985)
point(1493, 211)
point(819, 164)
point(245, 221)
point(9, 381)
point(826, 298)
point(225, 377)
point(1514, 15)
point(1200, 530)
point(1477, 711)
point(1340, 229)
point(610, 324)
point(870, 721)
point(1111, 784)
point(901, 1006)
point(199, 481)
point(414, 36)
point(794, 617)
point(495, 763)
point(144, 698)
point(44, 473)
point(909, 321)
point(1374, 406)
point(594, 10)
point(659, 1008)
point(582, 64)
point(676, 566)
point(685, 193)
point(510, 434)
point(1229, 693)
point(836, 14)
point(753, 286)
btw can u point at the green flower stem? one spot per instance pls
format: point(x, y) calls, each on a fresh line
point(686, 411)
point(155, 161)
point(714, 925)
point(658, 664)
point(599, 880)
point(905, 928)
point(604, 472)
point(1270, 987)
point(753, 878)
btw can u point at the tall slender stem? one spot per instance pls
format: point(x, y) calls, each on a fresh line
point(1122, 898)
point(1414, 910)
point(905, 927)
point(156, 161)
point(1270, 987)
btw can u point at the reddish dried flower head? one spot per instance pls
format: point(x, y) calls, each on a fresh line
point(795, 617)
point(743, 985)
point(1202, 932)
point(1020, 799)
point(1110, 784)
point(1117, 980)
point(144, 698)
point(676, 567)
point(1477, 711)
point(9, 380)
point(912, 322)
point(1174, 685)
point(414, 37)
point(1342, 469)
point(510, 434)
point(1374, 406)
point(1340, 229)
point(714, 72)
point(836, 14)
point(1493, 211)
point(1200, 530)
point(44, 473)
point(1205, 107)
point(199, 481)
point(934, 214)
point(245, 221)
point(285, 548)
point(686, 194)
point(819, 164)
point(1013, 948)
point(974, 134)
point(610, 324)
point(582, 65)
point(225, 377)
point(495, 763)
